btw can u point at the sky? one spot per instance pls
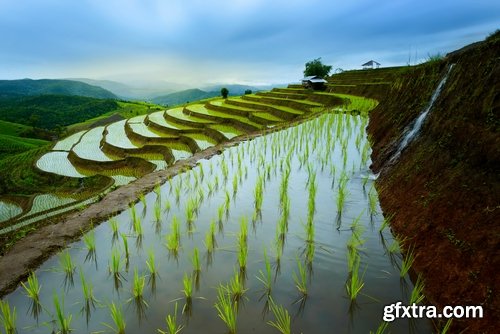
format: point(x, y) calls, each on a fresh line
point(196, 42)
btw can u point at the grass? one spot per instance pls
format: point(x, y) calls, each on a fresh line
point(114, 227)
point(63, 320)
point(242, 255)
point(8, 317)
point(67, 265)
point(138, 284)
point(187, 283)
point(88, 292)
point(115, 266)
point(196, 260)
point(172, 326)
point(227, 309)
point(125, 246)
point(151, 264)
point(282, 319)
point(237, 287)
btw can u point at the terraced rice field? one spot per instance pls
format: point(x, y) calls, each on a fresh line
point(104, 150)
point(8, 210)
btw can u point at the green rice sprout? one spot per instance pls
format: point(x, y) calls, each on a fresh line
point(114, 227)
point(187, 283)
point(138, 284)
point(417, 295)
point(385, 223)
point(237, 287)
point(115, 266)
point(447, 326)
point(137, 225)
point(407, 261)
point(125, 245)
point(209, 241)
point(89, 241)
point(151, 264)
point(157, 191)
point(341, 197)
point(133, 212)
point(381, 328)
point(118, 319)
point(372, 199)
point(67, 265)
point(142, 197)
point(63, 320)
point(196, 260)
point(393, 247)
point(168, 205)
point(157, 211)
point(8, 317)
point(88, 292)
point(227, 202)
point(266, 277)
point(172, 326)
point(355, 282)
point(32, 289)
point(227, 309)
point(300, 279)
point(220, 212)
point(174, 238)
point(242, 255)
point(282, 319)
point(243, 236)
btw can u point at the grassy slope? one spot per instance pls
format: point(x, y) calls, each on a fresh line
point(444, 189)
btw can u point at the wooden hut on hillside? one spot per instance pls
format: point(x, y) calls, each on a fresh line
point(370, 65)
point(314, 82)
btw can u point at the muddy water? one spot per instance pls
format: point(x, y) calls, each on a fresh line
point(327, 307)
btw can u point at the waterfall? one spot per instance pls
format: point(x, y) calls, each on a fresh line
point(414, 130)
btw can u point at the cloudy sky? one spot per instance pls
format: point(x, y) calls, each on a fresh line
point(228, 41)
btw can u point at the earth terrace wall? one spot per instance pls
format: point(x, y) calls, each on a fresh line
point(245, 127)
point(244, 113)
point(444, 189)
point(267, 108)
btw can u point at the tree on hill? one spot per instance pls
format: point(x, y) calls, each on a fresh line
point(224, 92)
point(316, 67)
point(248, 91)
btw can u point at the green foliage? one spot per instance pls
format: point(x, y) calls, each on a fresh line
point(172, 326)
point(224, 92)
point(7, 317)
point(226, 308)
point(316, 67)
point(283, 320)
point(51, 111)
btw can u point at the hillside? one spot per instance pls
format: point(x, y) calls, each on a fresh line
point(29, 87)
point(52, 111)
point(442, 189)
point(185, 96)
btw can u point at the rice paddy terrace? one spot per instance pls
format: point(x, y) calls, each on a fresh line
point(128, 149)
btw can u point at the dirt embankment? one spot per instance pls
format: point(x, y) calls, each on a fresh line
point(444, 190)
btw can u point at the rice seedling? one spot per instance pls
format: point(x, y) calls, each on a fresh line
point(138, 284)
point(173, 239)
point(209, 241)
point(258, 193)
point(266, 277)
point(447, 326)
point(187, 283)
point(115, 266)
point(89, 241)
point(118, 319)
point(63, 320)
point(168, 205)
point(381, 328)
point(151, 264)
point(242, 255)
point(385, 223)
point(8, 317)
point(235, 184)
point(372, 200)
point(133, 212)
point(157, 211)
point(300, 279)
point(237, 287)
point(417, 295)
point(32, 289)
point(172, 326)
point(227, 201)
point(355, 282)
point(243, 236)
point(407, 261)
point(125, 246)
point(220, 212)
point(67, 266)
point(309, 253)
point(226, 308)
point(196, 261)
point(341, 198)
point(114, 227)
point(282, 319)
point(137, 226)
point(88, 293)
point(142, 198)
point(352, 257)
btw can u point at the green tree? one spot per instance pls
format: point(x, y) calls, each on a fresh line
point(248, 91)
point(224, 92)
point(316, 67)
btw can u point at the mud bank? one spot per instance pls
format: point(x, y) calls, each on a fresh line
point(444, 189)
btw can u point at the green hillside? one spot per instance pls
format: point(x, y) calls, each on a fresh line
point(29, 87)
point(184, 96)
point(12, 144)
point(52, 111)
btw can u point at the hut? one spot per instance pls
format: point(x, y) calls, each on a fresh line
point(370, 65)
point(314, 82)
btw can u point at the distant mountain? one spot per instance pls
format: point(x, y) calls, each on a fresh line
point(29, 87)
point(136, 90)
point(188, 95)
